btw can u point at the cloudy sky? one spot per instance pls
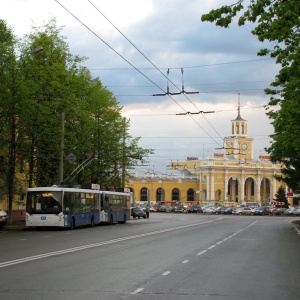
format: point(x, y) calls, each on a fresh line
point(135, 46)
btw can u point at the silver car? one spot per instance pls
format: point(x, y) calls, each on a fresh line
point(247, 211)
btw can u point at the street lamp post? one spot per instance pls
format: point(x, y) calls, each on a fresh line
point(62, 145)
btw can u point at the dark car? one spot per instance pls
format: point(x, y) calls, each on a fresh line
point(179, 209)
point(219, 210)
point(137, 212)
point(3, 218)
point(195, 209)
point(262, 211)
point(278, 211)
point(226, 210)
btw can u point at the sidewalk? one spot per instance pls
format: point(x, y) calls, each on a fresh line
point(16, 225)
point(18, 221)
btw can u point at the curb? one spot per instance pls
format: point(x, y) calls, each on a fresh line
point(16, 226)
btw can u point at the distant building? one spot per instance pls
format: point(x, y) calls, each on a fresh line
point(229, 178)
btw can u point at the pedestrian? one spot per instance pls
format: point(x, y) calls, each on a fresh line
point(147, 211)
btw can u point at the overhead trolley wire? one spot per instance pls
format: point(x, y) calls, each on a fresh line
point(139, 71)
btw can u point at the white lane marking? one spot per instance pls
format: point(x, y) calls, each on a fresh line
point(137, 291)
point(218, 243)
point(166, 273)
point(185, 261)
point(297, 229)
point(80, 248)
point(200, 253)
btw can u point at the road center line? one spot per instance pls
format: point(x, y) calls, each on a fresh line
point(200, 253)
point(137, 291)
point(166, 273)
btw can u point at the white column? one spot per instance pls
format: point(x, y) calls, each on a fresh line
point(212, 187)
point(208, 186)
point(242, 186)
point(258, 188)
point(226, 185)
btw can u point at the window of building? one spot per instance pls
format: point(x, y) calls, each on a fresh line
point(175, 194)
point(160, 194)
point(144, 194)
point(190, 195)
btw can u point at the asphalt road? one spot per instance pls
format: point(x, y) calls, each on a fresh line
point(168, 256)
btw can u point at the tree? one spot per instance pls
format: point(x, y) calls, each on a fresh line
point(35, 91)
point(94, 127)
point(278, 22)
point(281, 197)
point(10, 94)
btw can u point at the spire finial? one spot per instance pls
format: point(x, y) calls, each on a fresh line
point(239, 106)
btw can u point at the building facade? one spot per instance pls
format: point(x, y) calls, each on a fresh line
point(229, 178)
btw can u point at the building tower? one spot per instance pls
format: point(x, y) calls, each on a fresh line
point(239, 145)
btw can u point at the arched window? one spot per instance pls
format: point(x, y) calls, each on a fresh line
point(190, 195)
point(218, 195)
point(144, 194)
point(160, 194)
point(175, 194)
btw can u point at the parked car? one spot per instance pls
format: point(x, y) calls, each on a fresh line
point(170, 209)
point(278, 211)
point(137, 212)
point(3, 218)
point(209, 210)
point(247, 211)
point(223, 210)
point(237, 210)
point(262, 211)
point(153, 209)
point(179, 209)
point(289, 211)
point(194, 209)
point(161, 208)
point(227, 210)
point(218, 210)
point(296, 211)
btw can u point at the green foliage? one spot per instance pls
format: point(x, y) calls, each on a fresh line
point(281, 197)
point(36, 90)
point(277, 22)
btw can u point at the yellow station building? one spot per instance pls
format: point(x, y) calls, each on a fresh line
point(230, 178)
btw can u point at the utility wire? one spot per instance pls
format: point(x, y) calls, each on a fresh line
point(189, 67)
point(182, 91)
point(94, 33)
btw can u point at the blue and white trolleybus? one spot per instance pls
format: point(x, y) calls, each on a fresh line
point(71, 207)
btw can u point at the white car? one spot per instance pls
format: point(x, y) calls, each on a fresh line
point(209, 210)
point(3, 218)
point(237, 211)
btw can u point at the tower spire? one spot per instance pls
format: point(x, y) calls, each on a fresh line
point(239, 106)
